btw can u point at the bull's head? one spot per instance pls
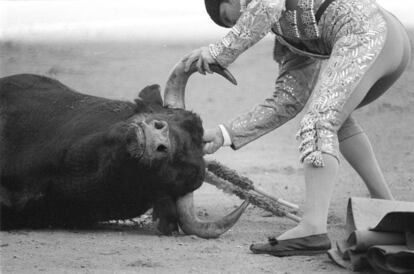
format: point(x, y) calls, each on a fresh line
point(174, 99)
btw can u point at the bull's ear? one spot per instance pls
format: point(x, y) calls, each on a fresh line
point(151, 94)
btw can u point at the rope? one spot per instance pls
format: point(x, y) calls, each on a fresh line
point(230, 182)
point(230, 175)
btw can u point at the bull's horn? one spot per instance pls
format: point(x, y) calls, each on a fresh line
point(191, 225)
point(175, 88)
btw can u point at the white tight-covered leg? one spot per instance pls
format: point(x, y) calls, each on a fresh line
point(319, 185)
point(358, 151)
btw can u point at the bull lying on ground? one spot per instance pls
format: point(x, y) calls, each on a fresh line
point(70, 159)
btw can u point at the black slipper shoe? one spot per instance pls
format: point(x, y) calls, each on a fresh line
point(310, 245)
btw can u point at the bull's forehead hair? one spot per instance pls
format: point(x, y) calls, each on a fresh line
point(178, 120)
point(190, 122)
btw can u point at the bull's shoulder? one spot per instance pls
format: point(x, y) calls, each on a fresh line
point(27, 81)
point(22, 78)
point(33, 86)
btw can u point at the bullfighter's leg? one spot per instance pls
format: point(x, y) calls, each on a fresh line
point(357, 150)
point(362, 66)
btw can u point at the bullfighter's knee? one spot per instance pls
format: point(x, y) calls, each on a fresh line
point(348, 129)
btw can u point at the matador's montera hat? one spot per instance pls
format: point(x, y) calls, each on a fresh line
point(213, 9)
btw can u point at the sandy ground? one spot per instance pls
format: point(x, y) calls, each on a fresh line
point(120, 70)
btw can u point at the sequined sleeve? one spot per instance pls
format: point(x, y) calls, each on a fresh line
point(254, 23)
point(296, 80)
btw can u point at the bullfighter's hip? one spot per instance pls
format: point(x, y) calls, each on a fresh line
point(365, 61)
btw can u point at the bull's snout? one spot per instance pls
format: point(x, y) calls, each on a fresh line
point(158, 140)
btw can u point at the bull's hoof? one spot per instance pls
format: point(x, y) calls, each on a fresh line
point(168, 229)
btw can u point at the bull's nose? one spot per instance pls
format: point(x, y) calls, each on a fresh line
point(161, 148)
point(159, 125)
point(159, 141)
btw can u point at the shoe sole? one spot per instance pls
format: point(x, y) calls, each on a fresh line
point(293, 253)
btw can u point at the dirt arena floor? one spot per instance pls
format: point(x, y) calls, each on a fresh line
point(120, 70)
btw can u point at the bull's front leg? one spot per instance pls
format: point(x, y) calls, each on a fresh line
point(165, 213)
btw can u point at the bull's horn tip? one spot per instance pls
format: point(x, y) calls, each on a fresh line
point(227, 74)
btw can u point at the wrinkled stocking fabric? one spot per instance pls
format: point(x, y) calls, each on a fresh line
point(360, 36)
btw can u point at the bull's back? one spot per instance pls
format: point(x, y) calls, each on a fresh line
point(35, 94)
point(38, 106)
point(27, 104)
point(29, 101)
point(40, 121)
point(40, 118)
point(29, 90)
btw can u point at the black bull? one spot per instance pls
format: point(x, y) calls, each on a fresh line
point(70, 159)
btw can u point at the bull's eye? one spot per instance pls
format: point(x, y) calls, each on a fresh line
point(162, 148)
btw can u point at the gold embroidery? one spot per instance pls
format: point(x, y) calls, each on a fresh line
point(352, 32)
point(293, 88)
point(299, 23)
point(254, 23)
point(352, 55)
point(310, 26)
point(291, 29)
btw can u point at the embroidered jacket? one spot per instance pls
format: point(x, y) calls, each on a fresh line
point(297, 78)
point(351, 33)
point(295, 27)
point(298, 71)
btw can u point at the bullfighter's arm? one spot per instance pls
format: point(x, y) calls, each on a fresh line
point(254, 23)
point(296, 80)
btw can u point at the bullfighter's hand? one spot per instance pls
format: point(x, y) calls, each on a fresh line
point(213, 140)
point(203, 58)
